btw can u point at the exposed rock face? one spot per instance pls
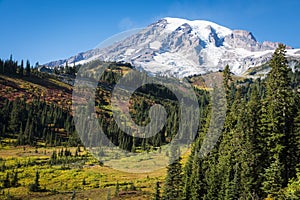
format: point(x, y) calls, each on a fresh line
point(242, 39)
point(179, 47)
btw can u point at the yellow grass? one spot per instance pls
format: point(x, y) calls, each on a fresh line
point(66, 180)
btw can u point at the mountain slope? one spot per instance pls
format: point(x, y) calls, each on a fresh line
point(180, 47)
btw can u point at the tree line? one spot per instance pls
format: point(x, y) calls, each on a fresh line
point(29, 123)
point(11, 67)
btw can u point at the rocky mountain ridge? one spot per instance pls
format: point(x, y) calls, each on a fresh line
point(179, 47)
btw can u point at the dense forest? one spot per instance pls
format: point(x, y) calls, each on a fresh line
point(30, 120)
point(38, 121)
point(256, 157)
point(258, 154)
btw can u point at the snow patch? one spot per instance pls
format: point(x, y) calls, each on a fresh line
point(200, 27)
point(155, 45)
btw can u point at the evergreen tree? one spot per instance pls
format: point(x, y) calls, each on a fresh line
point(198, 189)
point(273, 177)
point(21, 70)
point(188, 170)
point(6, 181)
point(278, 138)
point(1, 67)
point(227, 76)
point(35, 187)
point(251, 165)
point(212, 177)
point(37, 179)
point(173, 188)
point(296, 133)
point(226, 80)
point(15, 180)
point(259, 149)
point(15, 117)
point(67, 69)
point(27, 69)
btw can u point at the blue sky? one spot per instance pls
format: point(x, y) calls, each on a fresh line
point(47, 30)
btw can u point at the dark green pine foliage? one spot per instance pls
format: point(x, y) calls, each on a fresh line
point(258, 151)
point(231, 152)
point(16, 116)
point(198, 186)
point(15, 180)
point(227, 77)
point(35, 187)
point(233, 171)
point(273, 177)
point(251, 167)
point(37, 179)
point(228, 85)
point(279, 117)
point(27, 69)
point(6, 181)
point(294, 150)
point(187, 178)
point(296, 130)
point(195, 184)
point(29, 122)
point(173, 188)
point(212, 176)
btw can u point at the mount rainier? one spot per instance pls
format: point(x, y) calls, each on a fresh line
point(180, 47)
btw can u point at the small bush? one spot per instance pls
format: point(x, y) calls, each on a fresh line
point(33, 187)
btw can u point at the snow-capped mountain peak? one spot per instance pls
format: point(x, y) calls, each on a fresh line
point(201, 27)
point(181, 47)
